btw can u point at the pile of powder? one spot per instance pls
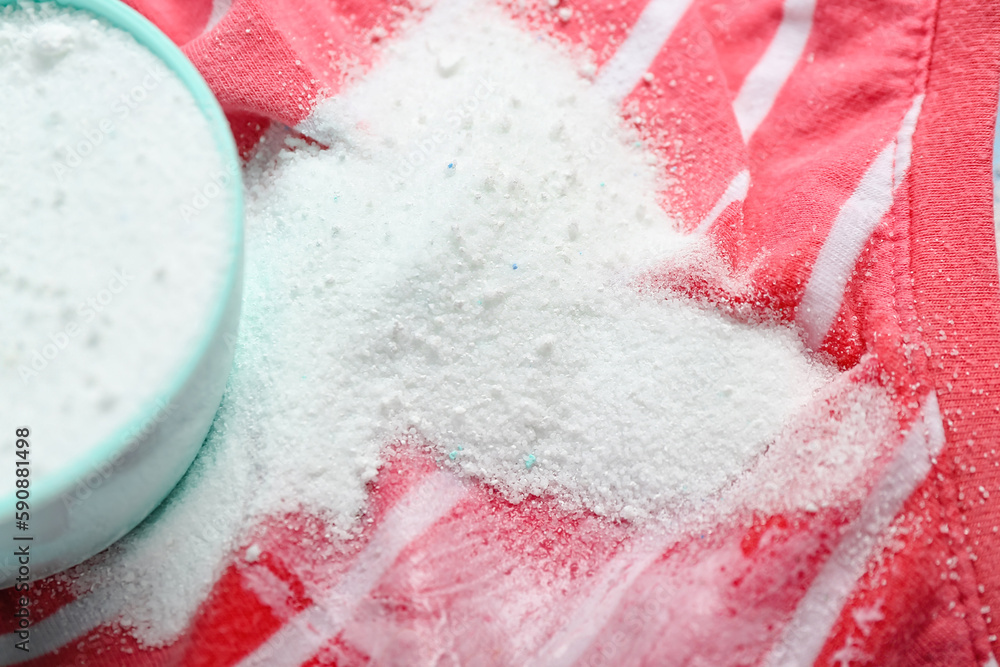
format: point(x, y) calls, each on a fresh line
point(456, 265)
point(108, 285)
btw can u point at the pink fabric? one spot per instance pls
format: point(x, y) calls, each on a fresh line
point(920, 314)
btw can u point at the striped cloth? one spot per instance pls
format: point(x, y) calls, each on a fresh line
point(838, 154)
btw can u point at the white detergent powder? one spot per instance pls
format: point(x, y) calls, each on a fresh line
point(458, 264)
point(107, 282)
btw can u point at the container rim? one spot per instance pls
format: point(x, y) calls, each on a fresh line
point(120, 16)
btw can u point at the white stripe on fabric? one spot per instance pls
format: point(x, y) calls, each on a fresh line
point(736, 191)
point(991, 661)
point(71, 622)
point(577, 634)
point(622, 72)
point(761, 87)
point(904, 141)
point(307, 632)
point(804, 637)
point(996, 178)
point(219, 9)
point(854, 224)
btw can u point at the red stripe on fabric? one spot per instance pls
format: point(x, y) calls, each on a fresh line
point(720, 233)
point(705, 275)
point(955, 275)
point(45, 597)
point(597, 27)
point(232, 623)
point(337, 39)
point(877, 315)
point(907, 610)
point(405, 465)
point(339, 654)
point(714, 602)
point(180, 20)
point(831, 119)
point(110, 646)
point(236, 619)
point(247, 129)
point(685, 115)
point(274, 58)
point(867, 313)
point(741, 32)
point(252, 67)
point(762, 532)
point(487, 572)
point(368, 15)
point(298, 554)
